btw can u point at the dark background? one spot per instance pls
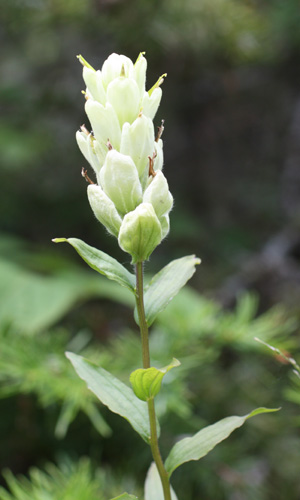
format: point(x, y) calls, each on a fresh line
point(231, 109)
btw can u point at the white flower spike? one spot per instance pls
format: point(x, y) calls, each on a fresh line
point(132, 198)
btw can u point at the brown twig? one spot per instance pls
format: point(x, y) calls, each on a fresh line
point(85, 175)
point(109, 145)
point(160, 131)
point(151, 165)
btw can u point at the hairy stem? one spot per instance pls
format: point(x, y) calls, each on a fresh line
point(146, 364)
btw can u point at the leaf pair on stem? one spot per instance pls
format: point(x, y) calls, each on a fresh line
point(146, 382)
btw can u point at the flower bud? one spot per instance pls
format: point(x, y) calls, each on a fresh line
point(137, 141)
point(123, 94)
point(165, 225)
point(93, 81)
point(104, 122)
point(158, 194)
point(104, 209)
point(151, 102)
point(140, 233)
point(81, 139)
point(159, 158)
point(97, 153)
point(120, 181)
point(139, 72)
point(113, 67)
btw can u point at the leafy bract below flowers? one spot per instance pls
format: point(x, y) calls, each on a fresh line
point(131, 197)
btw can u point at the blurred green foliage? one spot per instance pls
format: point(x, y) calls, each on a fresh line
point(31, 302)
point(69, 482)
point(76, 481)
point(223, 371)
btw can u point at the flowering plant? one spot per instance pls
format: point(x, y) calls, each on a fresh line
point(131, 198)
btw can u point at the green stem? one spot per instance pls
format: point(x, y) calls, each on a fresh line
point(156, 452)
point(146, 364)
point(141, 314)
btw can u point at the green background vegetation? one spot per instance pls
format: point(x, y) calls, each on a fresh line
point(231, 106)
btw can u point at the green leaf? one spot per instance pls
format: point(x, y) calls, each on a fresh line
point(199, 445)
point(101, 262)
point(166, 284)
point(146, 382)
point(114, 394)
point(125, 496)
point(153, 486)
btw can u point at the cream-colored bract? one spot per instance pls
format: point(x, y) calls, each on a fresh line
point(124, 153)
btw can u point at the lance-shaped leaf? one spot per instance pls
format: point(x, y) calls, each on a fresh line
point(199, 445)
point(153, 486)
point(101, 262)
point(166, 284)
point(125, 496)
point(114, 394)
point(146, 382)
